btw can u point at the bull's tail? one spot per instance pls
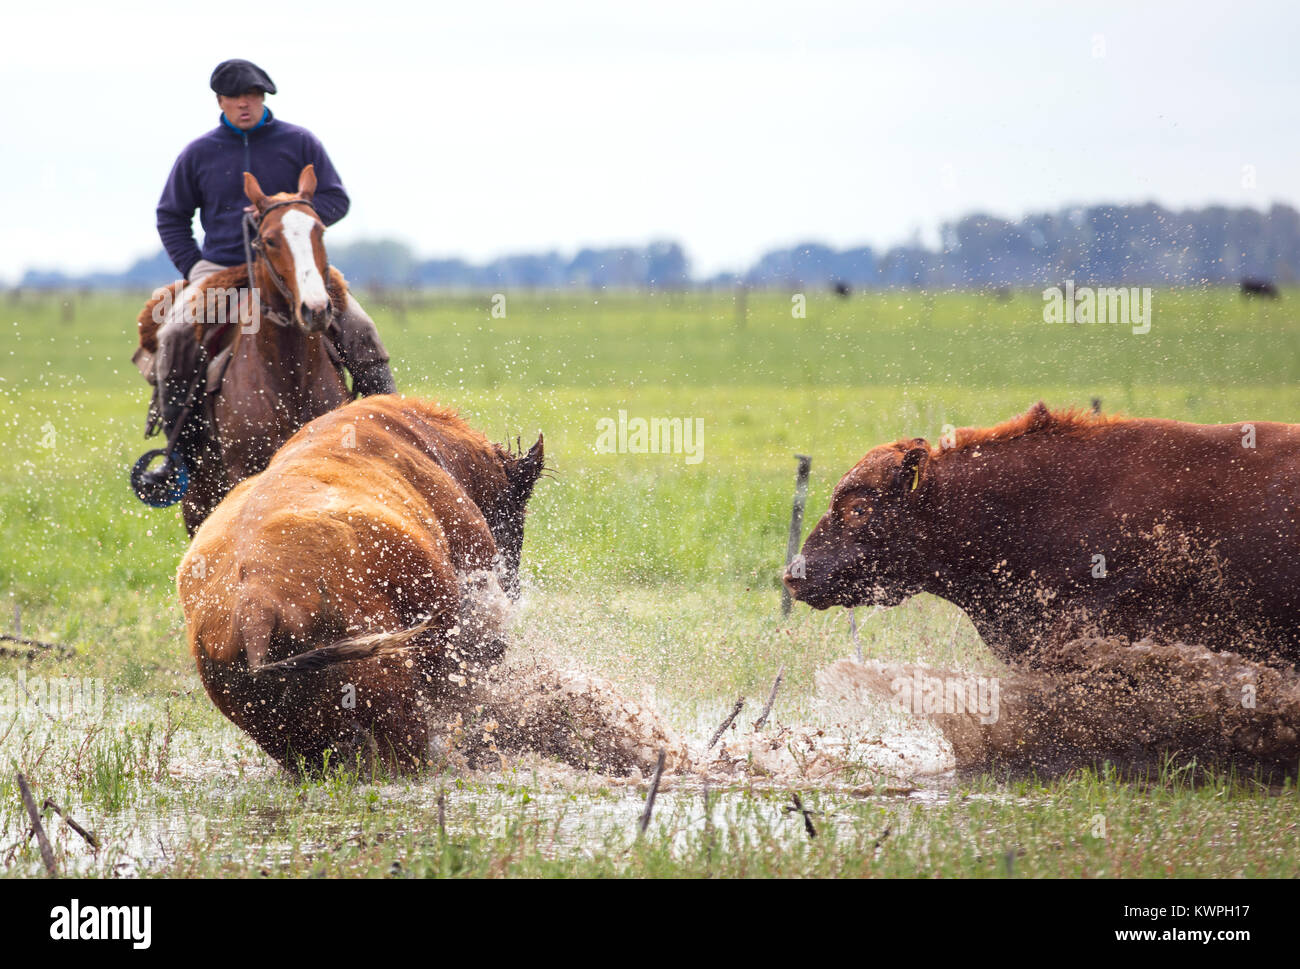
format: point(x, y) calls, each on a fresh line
point(353, 648)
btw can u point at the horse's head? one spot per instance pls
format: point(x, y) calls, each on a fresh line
point(290, 239)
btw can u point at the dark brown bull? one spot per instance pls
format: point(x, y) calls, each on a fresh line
point(1056, 523)
point(1251, 286)
point(333, 598)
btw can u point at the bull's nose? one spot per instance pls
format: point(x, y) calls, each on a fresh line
point(795, 573)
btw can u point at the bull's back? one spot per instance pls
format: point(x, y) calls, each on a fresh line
point(353, 527)
point(325, 528)
point(1234, 484)
point(1161, 527)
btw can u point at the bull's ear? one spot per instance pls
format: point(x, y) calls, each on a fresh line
point(526, 470)
point(913, 468)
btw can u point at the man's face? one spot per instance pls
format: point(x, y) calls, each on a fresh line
point(243, 110)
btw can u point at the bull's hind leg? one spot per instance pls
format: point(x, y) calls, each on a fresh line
point(360, 714)
point(352, 715)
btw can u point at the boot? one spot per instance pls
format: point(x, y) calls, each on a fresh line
point(168, 405)
point(373, 378)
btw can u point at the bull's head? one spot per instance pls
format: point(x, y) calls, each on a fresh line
point(507, 516)
point(291, 240)
point(866, 550)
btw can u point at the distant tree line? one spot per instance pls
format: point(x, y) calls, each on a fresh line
point(1101, 244)
point(660, 265)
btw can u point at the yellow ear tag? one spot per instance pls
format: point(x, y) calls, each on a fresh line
point(916, 478)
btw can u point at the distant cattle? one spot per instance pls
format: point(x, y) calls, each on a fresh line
point(332, 598)
point(842, 289)
point(1259, 287)
point(1057, 523)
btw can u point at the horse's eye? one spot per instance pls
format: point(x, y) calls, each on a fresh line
point(271, 243)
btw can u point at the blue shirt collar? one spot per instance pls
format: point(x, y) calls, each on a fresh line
point(266, 117)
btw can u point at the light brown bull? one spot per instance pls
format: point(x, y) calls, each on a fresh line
point(332, 597)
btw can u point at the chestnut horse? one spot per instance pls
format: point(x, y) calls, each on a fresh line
point(279, 373)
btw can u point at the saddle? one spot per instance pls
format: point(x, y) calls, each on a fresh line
point(214, 327)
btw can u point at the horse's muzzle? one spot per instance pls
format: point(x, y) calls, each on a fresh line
point(315, 321)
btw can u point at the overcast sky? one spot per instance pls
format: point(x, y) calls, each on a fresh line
point(732, 128)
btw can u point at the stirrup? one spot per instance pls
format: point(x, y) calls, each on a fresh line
point(164, 486)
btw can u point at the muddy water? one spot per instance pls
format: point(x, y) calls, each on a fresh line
point(884, 725)
point(533, 709)
point(1099, 699)
point(556, 732)
point(875, 730)
point(888, 724)
point(891, 730)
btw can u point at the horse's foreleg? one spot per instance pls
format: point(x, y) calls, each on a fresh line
point(208, 486)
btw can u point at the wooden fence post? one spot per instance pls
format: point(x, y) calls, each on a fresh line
point(796, 522)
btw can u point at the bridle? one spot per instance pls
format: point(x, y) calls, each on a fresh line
point(254, 248)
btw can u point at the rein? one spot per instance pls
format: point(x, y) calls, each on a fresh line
point(253, 249)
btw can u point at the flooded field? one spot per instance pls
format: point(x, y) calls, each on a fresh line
point(546, 770)
point(652, 605)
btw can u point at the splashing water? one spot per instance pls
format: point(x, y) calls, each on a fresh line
point(1084, 701)
point(1096, 699)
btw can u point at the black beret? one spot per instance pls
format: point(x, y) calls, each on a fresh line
point(237, 76)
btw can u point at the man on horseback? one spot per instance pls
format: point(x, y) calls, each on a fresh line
point(208, 176)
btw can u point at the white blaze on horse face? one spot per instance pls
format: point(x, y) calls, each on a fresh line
point(297, 228)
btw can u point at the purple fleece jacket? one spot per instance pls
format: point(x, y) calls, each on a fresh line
point(209, 176)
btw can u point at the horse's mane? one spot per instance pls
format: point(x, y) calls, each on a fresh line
point(1072, 421)
point(233, 277)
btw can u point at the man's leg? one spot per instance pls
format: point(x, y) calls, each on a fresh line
point(363, 352)
point(178, 351)
point(175, 361)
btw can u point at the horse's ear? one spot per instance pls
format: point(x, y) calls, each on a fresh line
point(254, 191)
point(307, 183)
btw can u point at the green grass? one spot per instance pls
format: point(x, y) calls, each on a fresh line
point(661, 575)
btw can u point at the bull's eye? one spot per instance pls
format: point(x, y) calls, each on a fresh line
point(857, 512)
point(271, 243)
